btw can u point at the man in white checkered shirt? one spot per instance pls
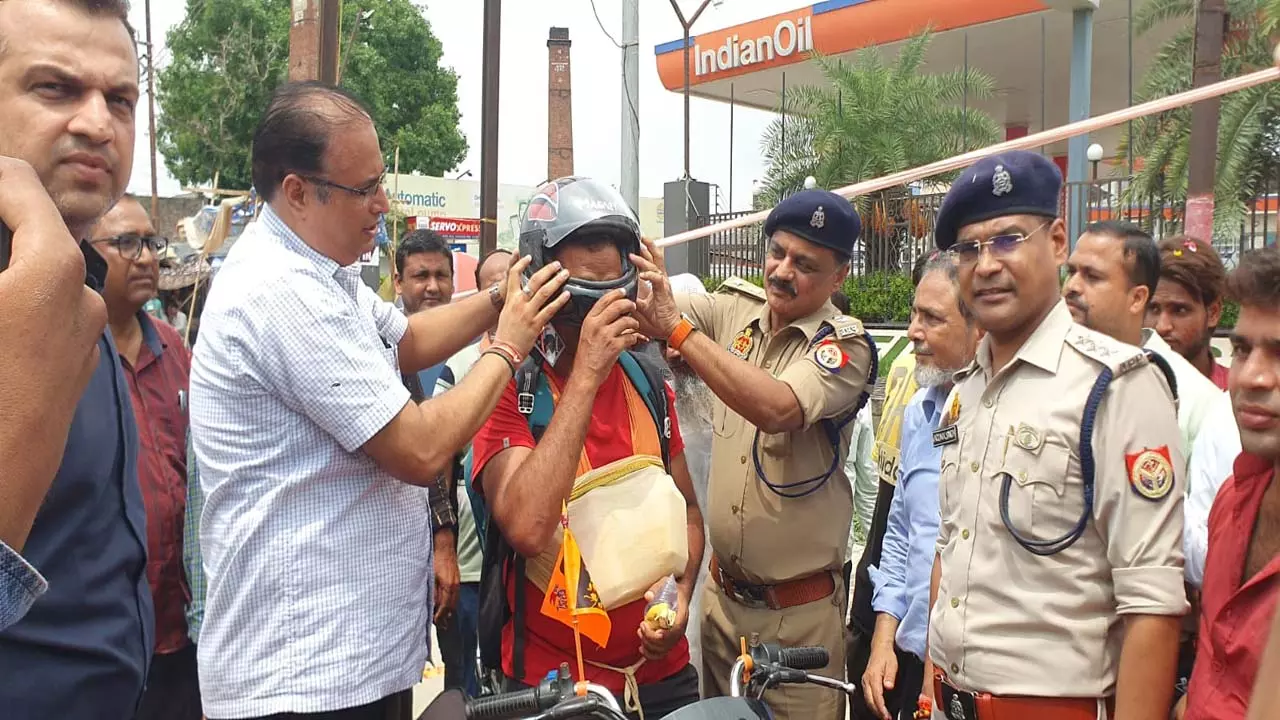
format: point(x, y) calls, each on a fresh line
point(316, 531)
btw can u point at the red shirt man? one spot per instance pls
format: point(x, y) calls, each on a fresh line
point(548, 642)
point(156, 366)
point(599, 418)
point(1242, 570)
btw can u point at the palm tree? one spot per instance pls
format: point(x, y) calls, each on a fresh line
point(1249, 120)
point(871, 118)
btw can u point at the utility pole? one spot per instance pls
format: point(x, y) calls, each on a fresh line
point(313, 40)
point(489, 126)
point(688, 26)
point(151, 113)
point(1211, 24)
point(631, 103)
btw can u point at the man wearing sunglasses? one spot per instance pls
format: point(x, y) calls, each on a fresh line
point(156, 364)
point(1057, 584)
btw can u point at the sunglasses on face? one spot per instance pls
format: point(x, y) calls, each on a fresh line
point(968, 252)
point(130, 245)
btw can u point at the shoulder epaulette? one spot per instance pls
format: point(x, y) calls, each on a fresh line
point(1106, 350)
point(970, 369)
point(845, 326)
point(741, 287)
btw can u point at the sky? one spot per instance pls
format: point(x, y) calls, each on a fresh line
point(597, 92)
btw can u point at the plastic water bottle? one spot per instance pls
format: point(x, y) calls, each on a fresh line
point(660, 613)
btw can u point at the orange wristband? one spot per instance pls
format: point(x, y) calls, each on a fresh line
point(680, 334)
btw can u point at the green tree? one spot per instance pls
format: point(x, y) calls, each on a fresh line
point(871, 118)
point(228, 56)
point(1249, 120)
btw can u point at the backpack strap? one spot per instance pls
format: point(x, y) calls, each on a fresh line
point(1158, 360)
point(649, 383)
point(533, 396)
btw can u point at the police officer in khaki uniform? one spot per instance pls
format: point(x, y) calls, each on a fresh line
point(1058, 581)
point(789, 373)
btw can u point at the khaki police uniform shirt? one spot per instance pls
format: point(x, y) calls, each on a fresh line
point(1009, 622)
point(758, 536)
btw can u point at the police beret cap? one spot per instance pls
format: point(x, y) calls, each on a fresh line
point(1011, 183)
point(819, 216)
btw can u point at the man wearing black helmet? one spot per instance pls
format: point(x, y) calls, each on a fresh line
point(780, 503)
point(591, 424)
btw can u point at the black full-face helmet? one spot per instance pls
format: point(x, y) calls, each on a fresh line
point(579, 206)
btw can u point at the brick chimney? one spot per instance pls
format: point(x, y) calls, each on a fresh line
point(559, 105)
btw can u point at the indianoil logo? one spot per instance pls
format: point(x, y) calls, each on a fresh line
point(789, 37)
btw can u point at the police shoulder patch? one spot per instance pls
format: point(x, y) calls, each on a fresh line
point(845, 326)
point(738, 286)
point(1105, 350)
point(1150, 472)
point(828, 355)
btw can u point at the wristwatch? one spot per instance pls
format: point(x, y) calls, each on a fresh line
point(495, 296)
point(682, 332)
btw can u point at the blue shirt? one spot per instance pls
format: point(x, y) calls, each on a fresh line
point(83, 649)
point(20, 585)
point(428, 378)
point(911, 536)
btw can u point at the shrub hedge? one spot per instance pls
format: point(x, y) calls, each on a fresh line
point(874, 298)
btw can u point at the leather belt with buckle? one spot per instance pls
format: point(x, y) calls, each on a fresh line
point(964, 705)
point(774, 597)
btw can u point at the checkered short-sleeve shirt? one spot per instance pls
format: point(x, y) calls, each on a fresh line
point(318, 561)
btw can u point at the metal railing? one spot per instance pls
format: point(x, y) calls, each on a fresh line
point(897, 227)
point(1107, 199)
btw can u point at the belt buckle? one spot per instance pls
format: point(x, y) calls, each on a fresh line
point(752, 596)
point(958, 704)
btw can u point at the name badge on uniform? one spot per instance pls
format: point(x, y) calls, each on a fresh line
point(948, 435)
point(741, 346)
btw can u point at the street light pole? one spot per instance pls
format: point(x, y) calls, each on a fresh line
point(489, 126)
point(688, 26)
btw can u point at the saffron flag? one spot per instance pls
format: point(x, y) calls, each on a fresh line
point(571, 598)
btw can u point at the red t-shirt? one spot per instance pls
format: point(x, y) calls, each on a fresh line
point(1235, 611)
point(549, 642)
point(1219, 375)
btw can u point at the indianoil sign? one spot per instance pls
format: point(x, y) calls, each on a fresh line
point(788, 38)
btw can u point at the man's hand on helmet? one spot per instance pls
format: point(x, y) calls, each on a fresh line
point(607, 330)
point(658, 313)
point(528, 308)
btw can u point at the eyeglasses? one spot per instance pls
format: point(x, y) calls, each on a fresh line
point(363, 192)
point(130, 245)
point(967, 253)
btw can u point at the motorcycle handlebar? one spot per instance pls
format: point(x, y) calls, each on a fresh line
point(522, 703)
point(811, 657)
